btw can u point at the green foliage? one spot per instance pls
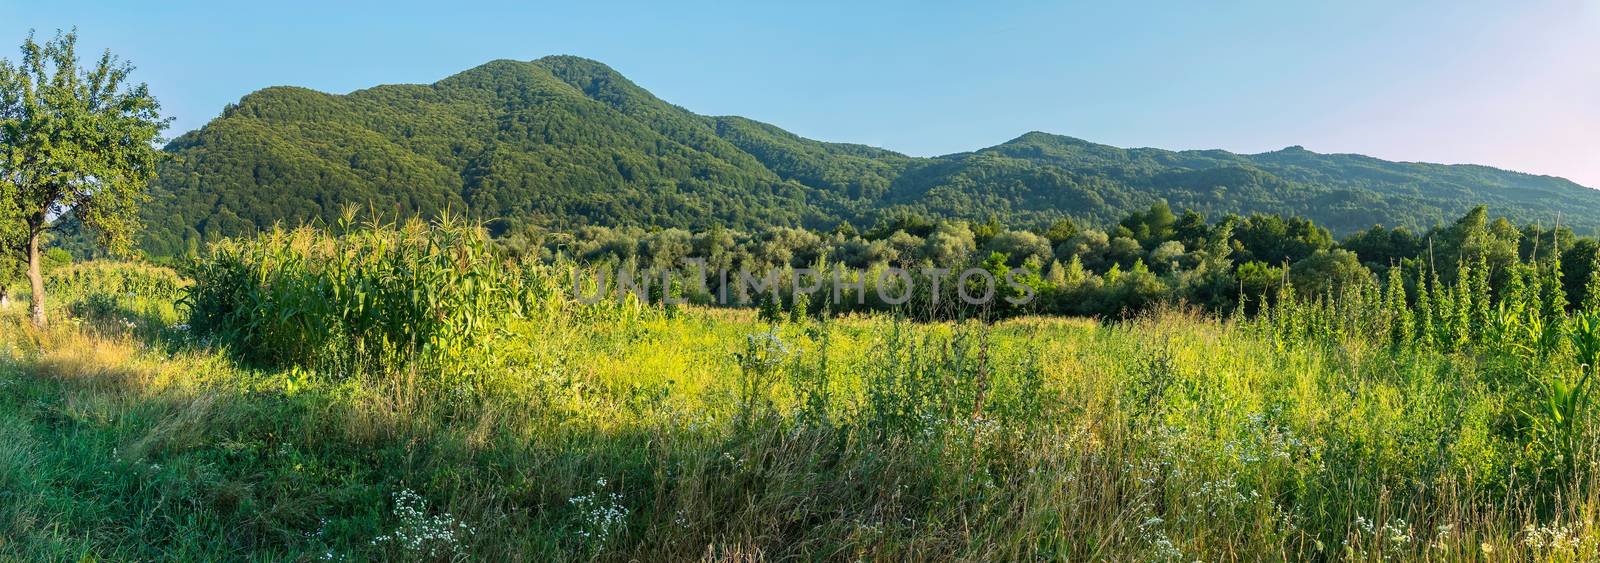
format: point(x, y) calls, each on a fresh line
point(1402, 329)
point(479, 384)
point(1591, 291)
point(1152, 226)
point(118, 297)
point(770, 309)
point(798, 312)
point(1205, 265)
point(1325, 271)
point(116, 278)
point(1542, 353)
point(563, 142)
point(375, 300)
point(1560, 420)
point(76, 141)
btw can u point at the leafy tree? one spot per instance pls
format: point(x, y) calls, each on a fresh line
point(987, 230)
point(1580, 275)
point(73, 141)
point(1166, 256)
point(1136, 290)
point(1444, 314)
point(1327, 270)
point(1089, 246)
point(1152, 226)
point(950, 244)
point(1192, 229)
point(1379, 248)
point(1060, 231)
point(916, 225)
point(1258, 279)
point(1125, 250)
point(1021, 246)
point(905, 246)
point(1055, 275)
point(1274, 239)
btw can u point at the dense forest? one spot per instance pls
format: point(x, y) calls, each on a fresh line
point(1149, 259)
point(563, 142)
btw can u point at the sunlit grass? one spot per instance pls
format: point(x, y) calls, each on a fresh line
point(707, 434)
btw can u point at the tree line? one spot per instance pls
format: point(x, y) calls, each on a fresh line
point(1148, 258)
point(78, 157)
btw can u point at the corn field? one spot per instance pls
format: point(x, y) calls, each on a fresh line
point(378, 299)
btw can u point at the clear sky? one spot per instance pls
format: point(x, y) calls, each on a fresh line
point(1509, 84)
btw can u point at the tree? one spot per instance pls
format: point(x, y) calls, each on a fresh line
point(1192, 229)
point(1151, 227)
point(1327, 270)
point(1257, 280)
point(1381, 248)
point(1060, 231)
point(1274, 240)
point(1165, 256)
point(1021, 246)
point(950, 244)
point(1125, 250)
point(73, 141)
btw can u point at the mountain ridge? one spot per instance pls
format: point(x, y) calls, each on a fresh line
point(563, 141)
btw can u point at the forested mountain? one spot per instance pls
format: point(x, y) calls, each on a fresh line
point(564, 141)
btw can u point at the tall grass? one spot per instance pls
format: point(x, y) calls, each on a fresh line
point(604, 435)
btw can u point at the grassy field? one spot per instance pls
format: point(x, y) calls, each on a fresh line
point(303, 403)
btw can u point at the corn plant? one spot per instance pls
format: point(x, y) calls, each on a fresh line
point(129, 279)
point(121, 295)
point(1561, 417)
point(378, 298)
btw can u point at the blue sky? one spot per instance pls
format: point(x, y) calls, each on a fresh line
point(1514, 85)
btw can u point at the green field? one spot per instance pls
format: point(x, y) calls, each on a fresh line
point(402, 394)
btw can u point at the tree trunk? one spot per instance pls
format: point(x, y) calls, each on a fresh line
point(36, 277)
point(5, 298)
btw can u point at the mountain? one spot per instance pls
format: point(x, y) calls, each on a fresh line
point(564, 141)
point(1345, 192)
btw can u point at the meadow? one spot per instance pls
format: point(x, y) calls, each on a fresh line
point(405, 393)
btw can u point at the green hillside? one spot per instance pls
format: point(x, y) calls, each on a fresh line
point(565, 141)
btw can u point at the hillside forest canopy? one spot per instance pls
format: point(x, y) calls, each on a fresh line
point(564, 142)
